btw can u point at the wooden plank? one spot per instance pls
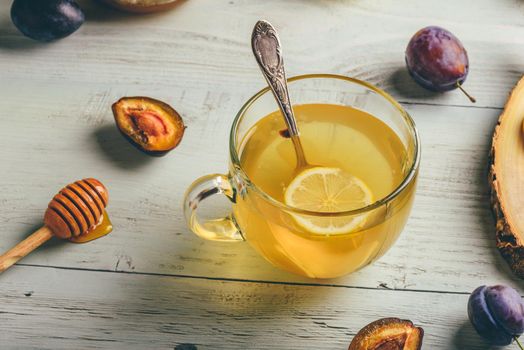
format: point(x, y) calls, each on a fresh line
point(57, 127)
point(62, 134)
point(48, 308)
point(203, 44)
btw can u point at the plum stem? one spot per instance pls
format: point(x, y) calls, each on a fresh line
point(518, 342)
point(471, 98)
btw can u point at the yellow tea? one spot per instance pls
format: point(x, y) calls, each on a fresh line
point(340, 211)
point(358, 160)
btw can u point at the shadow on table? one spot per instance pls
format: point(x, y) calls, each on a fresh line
point(466, 338)
point(406, 87)
point(12, 39)
point(186, 346)
point(117, 150)
point(53, 243)
point(188, 307)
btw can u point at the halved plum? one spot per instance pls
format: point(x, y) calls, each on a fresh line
point(388, 334)
point(151, 125)
point(142, 6)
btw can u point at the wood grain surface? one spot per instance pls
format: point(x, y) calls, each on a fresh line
point(128, 311)
point(153, 284)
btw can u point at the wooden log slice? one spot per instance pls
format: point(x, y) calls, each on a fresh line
point(506, 179)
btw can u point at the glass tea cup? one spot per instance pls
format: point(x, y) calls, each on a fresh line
point(270, 226)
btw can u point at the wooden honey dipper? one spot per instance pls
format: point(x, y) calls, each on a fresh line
point(76, 210)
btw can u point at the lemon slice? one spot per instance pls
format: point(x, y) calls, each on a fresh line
point(328, 190)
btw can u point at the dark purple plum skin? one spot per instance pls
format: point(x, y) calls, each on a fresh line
point(46, 20)
point(436, 59)
point(482, 320)
point(507, 308)
point(497, 313)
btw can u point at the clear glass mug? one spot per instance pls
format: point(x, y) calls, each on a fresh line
point(268, 224)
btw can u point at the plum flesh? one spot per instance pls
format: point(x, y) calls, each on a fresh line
point(151, 125)
point(46, 20)
point(497, 313)
point(388, 334)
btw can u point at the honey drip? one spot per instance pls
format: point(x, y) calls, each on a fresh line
point(102, 229)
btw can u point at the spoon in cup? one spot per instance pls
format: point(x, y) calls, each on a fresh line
point(268, 53)
point(313, 187)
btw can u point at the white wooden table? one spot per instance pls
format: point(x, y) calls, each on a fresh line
point(152, 283)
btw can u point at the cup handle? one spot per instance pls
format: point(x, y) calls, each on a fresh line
point(221, 229)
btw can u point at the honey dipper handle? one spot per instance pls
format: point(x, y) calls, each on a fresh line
point(25, 247)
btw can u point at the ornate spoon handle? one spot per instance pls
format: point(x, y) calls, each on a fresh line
point(268, 53)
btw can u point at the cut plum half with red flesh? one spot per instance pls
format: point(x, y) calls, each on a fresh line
point(388, 334)
point(142, 6)
point(151, 125)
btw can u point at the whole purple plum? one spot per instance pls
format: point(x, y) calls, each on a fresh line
point(46, 20)
point(497, 313)
point(436, 59)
